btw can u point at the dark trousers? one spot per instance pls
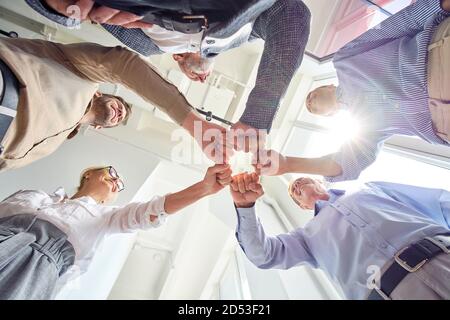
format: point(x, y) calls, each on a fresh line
point(33, 255)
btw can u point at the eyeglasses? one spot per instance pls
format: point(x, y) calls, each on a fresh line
point(115, 176)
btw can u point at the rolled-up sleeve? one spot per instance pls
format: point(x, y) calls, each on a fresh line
point(285, 29)
point(355, 156)
point(280, 252)
point(405, 23)
point(135, 216)
point(120, 65)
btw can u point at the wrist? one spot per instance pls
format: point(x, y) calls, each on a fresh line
point(286, 167)
point(244, 204)
point(204, 189)
point(189, 122)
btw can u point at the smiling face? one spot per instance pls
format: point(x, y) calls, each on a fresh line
point(109, 111)
point(101, 184)
point(194, 66)
point(306, 192)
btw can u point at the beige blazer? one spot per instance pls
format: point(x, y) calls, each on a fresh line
point(57, 84)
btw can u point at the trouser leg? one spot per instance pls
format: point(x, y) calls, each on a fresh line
point(431, 282)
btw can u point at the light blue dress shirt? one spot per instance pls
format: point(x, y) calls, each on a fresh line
point(351, 234)
point(383, 83)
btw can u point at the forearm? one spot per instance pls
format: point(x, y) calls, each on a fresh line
point(285, 30)
point(324, 166)
point(281, 252)
point(122, 66)
point(252, 238)
point(180, 200)
point(405, 23)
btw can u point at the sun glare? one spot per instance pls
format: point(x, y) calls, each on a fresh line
point(344, 127)
point(241, 162)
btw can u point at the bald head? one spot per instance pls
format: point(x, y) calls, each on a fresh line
point(306, 191)
point(322, 101)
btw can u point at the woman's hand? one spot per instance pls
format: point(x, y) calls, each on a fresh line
point(216, 178)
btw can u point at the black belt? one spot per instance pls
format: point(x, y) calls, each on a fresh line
point(8, 101)
point(407, 260)
point(183, 23)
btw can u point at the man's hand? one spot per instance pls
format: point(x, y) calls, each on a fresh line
point(271, 163)
point(212, 138)
point(216, 178)
point(248, 139)
point(246, 189)
point(84, 10)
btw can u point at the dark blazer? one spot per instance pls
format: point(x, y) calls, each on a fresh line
point(284, 25)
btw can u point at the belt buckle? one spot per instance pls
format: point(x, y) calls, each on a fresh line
point(382, 294)
point(405, 264)
point(198, 17)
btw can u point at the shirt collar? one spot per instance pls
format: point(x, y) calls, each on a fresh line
point(334, 195)
point(87, 199)
point(60, 195)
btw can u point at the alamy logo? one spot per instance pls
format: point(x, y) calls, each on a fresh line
point(373, 281)
point(74, 17)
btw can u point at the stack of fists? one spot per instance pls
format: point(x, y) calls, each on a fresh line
point(245, 187)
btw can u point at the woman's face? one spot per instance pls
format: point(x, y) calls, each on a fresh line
point(105, 186)
point(306, 191)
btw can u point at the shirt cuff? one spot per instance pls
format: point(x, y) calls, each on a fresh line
point(259, 117)
point(157, 210)
point(246, 218)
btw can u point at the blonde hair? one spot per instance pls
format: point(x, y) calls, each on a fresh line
point(83, 173)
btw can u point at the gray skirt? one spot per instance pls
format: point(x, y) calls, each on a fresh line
point(33, 255)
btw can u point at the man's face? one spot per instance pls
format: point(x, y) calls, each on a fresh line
point(306, 191)
point(108, 111)
point(322, 101)
point(194, 66)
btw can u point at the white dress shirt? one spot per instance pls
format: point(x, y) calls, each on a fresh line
point(177, 42)
point(174, 41)
point(353, 235)
point(85, 222)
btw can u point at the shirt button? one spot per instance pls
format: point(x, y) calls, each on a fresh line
point(362, 226)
